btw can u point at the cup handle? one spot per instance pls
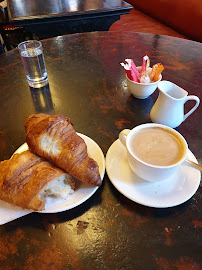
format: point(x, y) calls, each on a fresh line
point(123, 135)
point(194, 108)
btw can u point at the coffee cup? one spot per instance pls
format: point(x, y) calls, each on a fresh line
point(154, 151)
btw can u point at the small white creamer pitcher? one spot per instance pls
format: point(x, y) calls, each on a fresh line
point(169, 106)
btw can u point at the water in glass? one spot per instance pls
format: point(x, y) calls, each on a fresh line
point(34, 65)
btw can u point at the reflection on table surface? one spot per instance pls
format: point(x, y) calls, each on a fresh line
point(42, 99)
point(87, 84)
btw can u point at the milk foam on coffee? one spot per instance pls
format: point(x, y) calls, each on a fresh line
point(157, 146)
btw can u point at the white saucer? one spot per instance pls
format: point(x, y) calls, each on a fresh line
point(167, 193)
point(10, 212)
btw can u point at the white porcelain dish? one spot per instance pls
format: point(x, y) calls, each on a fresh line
point(142, 90)
point(9, 212)
point(167, 193)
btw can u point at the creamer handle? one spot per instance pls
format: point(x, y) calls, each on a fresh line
point(123, 135)
point(194, 108)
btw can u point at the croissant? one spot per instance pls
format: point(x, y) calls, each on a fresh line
point(27, 179)
point(54, 137)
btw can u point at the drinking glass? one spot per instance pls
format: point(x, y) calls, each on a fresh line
point(31, 52)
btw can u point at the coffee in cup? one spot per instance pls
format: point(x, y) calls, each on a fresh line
point(154, 151)
point(157, 146)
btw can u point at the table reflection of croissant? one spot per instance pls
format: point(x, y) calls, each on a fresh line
point(26, 180)
point(54, 137)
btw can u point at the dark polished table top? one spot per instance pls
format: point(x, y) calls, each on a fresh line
point(30, 9)
point(52, 18)
point(87, 84)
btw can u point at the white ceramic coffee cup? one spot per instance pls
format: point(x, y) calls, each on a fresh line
point(145, 170)
point(142, 90)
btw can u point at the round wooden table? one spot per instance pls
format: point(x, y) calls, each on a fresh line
point(87, 84)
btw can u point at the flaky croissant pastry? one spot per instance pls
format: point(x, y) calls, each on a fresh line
point(27, 179)
point(54, 137)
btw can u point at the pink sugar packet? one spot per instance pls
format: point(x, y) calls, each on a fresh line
point(131, 70)
point(127, 70)
point(144, 63)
